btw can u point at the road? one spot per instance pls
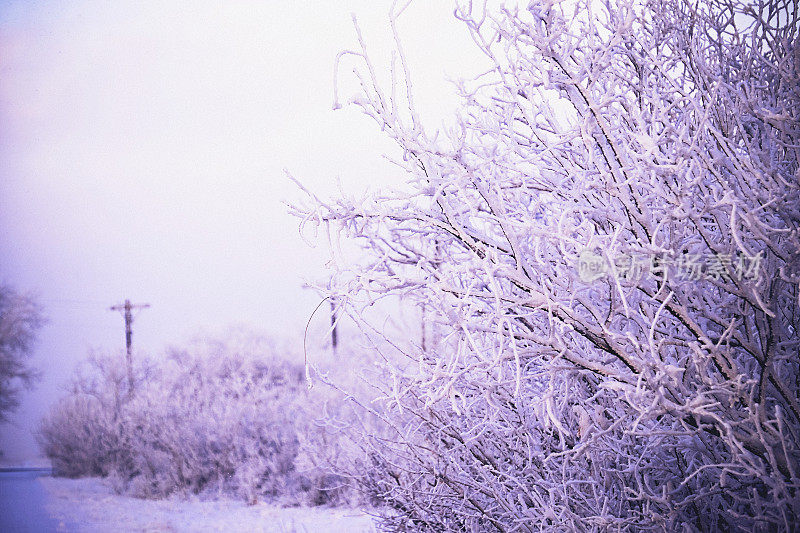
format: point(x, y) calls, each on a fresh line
point(22, 502)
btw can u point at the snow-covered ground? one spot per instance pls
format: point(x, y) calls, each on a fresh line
point(89, 505)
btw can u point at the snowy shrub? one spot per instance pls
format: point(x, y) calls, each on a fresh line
point(606, 252)
point(225, 424)
point(79, 438)
point(217, 419)
point(329, 446)
point(82, 434)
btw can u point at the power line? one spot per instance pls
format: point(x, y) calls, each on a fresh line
point(72, 301)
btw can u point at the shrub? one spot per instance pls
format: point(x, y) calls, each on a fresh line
point(79, 437)
point(606, 246)
point(224, 424)
point(216, 419)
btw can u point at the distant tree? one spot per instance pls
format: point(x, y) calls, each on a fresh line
point(608, 244)
point(20, 319)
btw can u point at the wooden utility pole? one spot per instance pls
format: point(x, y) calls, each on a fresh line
point(424, 346)
point(334, 338)
point(127, 307)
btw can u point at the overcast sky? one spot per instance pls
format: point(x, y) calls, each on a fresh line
point(142, 148)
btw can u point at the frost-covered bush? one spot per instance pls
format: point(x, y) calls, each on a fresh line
point(332, 436)
point(79, 437)
point(82, 433)
point(221, 423)
point(217, 419)
point(605, 250)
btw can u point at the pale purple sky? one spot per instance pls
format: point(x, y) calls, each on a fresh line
point(142, 148)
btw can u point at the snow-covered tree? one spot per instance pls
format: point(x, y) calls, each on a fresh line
point(20, 319)
point(607, 246)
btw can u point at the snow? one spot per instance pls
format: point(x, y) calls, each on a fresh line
point(89, 505)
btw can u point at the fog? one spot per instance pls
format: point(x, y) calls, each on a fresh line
point(142, 156)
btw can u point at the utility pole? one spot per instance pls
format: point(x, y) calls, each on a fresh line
point(334, 338)
point(127, 307)
point(423, 314)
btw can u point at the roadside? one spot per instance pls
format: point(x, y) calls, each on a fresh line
point(89, 505)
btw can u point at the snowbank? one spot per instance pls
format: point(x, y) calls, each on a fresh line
point(89, 505)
